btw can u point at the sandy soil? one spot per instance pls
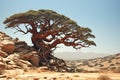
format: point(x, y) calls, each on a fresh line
point(48, 75)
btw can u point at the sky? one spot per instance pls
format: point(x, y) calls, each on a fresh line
point(101, 16)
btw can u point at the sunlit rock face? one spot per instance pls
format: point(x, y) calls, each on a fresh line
point(16, 54)
point(6, 43)
point(9, 48)
point(10, 54)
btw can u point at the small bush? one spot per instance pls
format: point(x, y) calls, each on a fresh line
point(117, 57)
point(96, 64)
point(109, 61)
point(104, 77)
point(113, 68)
point(90, 65)
point(101, 65)
point(112, 64)
point(117, 63)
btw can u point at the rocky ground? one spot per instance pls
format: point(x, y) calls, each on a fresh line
point(18, 61)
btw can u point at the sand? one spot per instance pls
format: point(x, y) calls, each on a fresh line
point(39, 74)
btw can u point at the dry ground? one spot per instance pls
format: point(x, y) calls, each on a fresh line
point(41, 74)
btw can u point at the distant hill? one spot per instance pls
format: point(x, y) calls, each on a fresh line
point(109, 63)
point(78, 55)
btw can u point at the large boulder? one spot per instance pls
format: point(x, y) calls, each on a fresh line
point(35, 60)
point(9, 48)
point(32, 56)
point(14, 61)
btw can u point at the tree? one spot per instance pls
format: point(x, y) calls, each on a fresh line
point(49, 29)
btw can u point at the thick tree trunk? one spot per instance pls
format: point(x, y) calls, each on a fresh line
point(41, 46)
point(46, 57)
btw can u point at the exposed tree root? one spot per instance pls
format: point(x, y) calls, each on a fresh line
point(55, 64)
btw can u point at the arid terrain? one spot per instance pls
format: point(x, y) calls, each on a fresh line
point(13, 66)
point(40, 74)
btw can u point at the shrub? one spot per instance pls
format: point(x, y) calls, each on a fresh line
point(104, 77)
point(112, 68)
point(96, 64)
point(117, 57)
point(109, 61)
point(111, 64)
point(117, 63)
point(101, 65)
point(90, 65)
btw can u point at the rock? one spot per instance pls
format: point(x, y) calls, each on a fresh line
point(2, 76)
point(8, 38)
point(13, 56)
point(25, 56)
point(2, 67)
point(21, 46)
point(3, 54)
point(4, 42)
point(32, 56)
point(14, 61)
point(23, 64)
point(9, 67)
point(10, 62)
point(9, 48)
point(2, 36)
point(35, 60)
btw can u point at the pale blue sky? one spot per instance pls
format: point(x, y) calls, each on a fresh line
point(102, 16)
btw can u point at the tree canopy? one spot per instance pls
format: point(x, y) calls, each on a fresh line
point(48, 29)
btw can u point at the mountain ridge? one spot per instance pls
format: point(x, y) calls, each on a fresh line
point(79, 55)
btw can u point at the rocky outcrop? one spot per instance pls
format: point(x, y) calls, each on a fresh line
point(17, 54)
point(6, 43)
point(10, 53)
point(9, 48)
point(32, 56)
point(21, 46)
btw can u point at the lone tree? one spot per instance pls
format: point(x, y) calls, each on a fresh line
point(49, 29)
